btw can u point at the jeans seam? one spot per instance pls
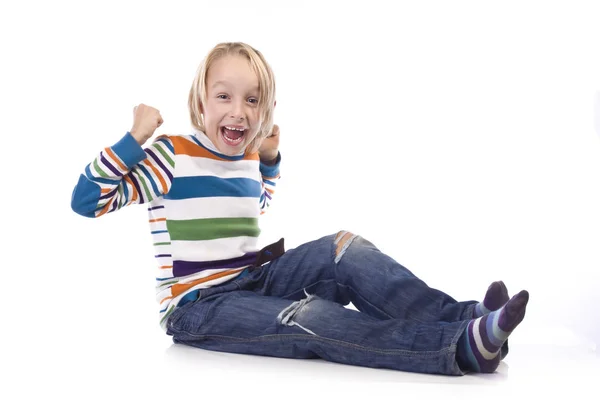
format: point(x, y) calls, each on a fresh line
point(268, 338)
point(366, 301)
point(341, 285)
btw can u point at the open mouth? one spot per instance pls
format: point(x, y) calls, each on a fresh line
point(233, 135)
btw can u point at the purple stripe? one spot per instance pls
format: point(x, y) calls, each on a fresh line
point(114, 206)
point(137, 187)
point(160, 164)
point(473, 354)
point(485, 336)
point(109, 194)
point(183, 268)
point(155, 208)
point(162, 255)
point(109, 165)
point(483, 364)
point(268, 195)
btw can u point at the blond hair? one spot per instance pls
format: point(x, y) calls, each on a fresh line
point(266, 87)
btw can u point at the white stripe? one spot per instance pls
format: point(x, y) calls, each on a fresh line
point(164, 274)
point(210, 250)
point(479, 343)
point(112, 162)
point(160, 237)
point(213, 207)
point(200, 166)
point(157, 153)
point(161, 293)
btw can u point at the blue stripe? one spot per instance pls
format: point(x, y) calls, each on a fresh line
point(167, 143)
point(230, 158)
point(153, 232)
point(269, 182)
point(164, 279)
point(88, 174)
point(125, 192)
point(190, 187)
point(152, 183)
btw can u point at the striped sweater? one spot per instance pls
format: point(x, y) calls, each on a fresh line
point(203, 207)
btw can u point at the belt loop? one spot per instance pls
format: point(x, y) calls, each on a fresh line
point(269, 253)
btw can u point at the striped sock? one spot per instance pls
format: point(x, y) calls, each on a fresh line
point(479, 346)
point(495, 297)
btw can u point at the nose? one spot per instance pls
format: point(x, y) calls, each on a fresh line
point(237, 110)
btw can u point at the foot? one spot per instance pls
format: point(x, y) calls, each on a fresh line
point(479, 345)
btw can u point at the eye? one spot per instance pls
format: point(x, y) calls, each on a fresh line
point(253, 100)
point(222, 96)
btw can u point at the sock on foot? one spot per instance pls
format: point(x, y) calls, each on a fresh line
point(479, 346)
point(495, 297)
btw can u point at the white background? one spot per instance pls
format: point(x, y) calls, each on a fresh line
point(457, 136)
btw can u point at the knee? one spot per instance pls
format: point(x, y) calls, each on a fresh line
point(344, 239)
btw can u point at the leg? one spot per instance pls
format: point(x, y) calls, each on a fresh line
point(245, 322)
point(346, 267)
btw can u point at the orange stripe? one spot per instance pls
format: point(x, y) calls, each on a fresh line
point(166, 267)
point(105, 190)
point(184, 146)
point(133, 189)
point(115, 159)
point(179, 288)
point(271, 178)
point(158, 220)
point(163, 183)
point(269, 190)
point(105, 208)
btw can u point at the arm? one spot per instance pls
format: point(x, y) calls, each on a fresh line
point(124, 174)
point(270, 159)
point(269, 171)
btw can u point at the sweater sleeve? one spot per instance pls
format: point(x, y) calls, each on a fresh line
point(270, 176)
point(124, 174)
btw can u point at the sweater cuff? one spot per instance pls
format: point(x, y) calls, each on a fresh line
point(271, 170)
point(129, 151)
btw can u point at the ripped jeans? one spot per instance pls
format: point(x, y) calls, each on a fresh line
point(293, 307)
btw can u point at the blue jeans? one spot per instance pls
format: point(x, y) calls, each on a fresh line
point(293, 307)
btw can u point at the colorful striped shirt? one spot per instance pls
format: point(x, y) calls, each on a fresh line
point(203, 207)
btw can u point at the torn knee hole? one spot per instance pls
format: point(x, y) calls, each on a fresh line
point(342, 241)
point(287, 316)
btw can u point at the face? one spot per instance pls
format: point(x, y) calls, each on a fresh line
point(231, 112)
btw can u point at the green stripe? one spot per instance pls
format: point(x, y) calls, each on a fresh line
point(169, 311)
point(213, 228)
point(162, 243)
point(169, 283)
point(99, 170)
point(142, 179)
point(165, 155)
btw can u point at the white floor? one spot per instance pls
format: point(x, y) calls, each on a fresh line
point(130, 365)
